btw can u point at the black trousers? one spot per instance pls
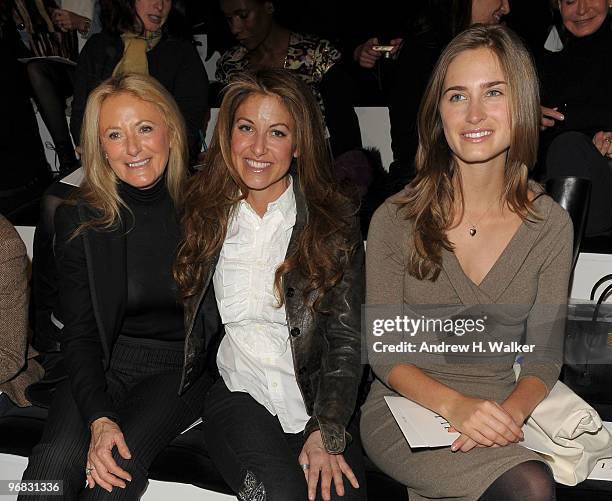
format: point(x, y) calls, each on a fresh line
point(257, 459)
point(143, 381)
point(573, 154)
point(52, 83)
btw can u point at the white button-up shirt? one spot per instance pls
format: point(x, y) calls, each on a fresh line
point(255, 355)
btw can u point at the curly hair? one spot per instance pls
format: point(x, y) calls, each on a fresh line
point(430, 198)
point(326, 242)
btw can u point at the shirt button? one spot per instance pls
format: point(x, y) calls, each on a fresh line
point(294, 332)
point(274, 385)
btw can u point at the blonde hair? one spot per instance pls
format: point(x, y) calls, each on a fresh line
point(99, 187)
point(429, 201)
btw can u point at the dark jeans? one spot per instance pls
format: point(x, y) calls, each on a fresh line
point(573, 154)
point(143, 381)
point(256, 458)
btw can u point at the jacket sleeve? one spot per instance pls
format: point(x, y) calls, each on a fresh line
point(341, 369)
point(80, 338)
point(190, 92)
point(13, 307)
point(93, 61)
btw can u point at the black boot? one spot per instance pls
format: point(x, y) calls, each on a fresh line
point(573, 194)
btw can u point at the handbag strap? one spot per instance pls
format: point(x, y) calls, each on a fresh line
point(603, 279)
point(604, 295)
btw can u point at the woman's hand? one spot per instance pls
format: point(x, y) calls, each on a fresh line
point(327, 466)
point(603, 142)
point(481, 423)
point(549, 116)
point(367, 57)
point(106, 434)
point(66, 20)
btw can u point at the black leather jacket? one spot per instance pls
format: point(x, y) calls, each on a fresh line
point(326, 347)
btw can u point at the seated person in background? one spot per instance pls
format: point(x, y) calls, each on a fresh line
point(25, 171)
point(135, 379)
point(267, 228)
point(435, 23)
point(52, 80)
point(17, 368)
point(577, 105)
point(470, 232)
point(148, 37)
point(263, 43)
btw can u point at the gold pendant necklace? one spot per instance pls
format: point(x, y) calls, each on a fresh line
point(473, 227)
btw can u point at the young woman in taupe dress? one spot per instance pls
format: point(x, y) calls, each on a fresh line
point(470, 230)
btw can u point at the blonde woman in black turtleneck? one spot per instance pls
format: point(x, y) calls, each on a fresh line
point(135, 376)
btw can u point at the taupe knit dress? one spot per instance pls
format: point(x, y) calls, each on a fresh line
point(532, 270)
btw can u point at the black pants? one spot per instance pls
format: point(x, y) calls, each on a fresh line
point(52, 83)
point(573, 154)
point(143, 381)
point(44, 299)
point(256, 458)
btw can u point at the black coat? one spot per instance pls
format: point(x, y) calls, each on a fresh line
point(578, 80)
point(326, 346)
point(93, 296)
point(173, 62)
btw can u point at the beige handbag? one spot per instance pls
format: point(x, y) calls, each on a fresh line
point(569, 433)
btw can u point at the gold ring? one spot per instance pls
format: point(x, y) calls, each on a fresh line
point(88, 470)
point(608, 139)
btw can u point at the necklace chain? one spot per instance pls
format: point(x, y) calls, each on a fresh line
point(473, 227)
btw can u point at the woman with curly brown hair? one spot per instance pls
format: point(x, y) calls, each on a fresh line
point(268, 231)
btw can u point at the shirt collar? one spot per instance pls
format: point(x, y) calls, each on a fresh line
point(285, 204)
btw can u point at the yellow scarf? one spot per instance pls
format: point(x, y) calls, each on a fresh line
point(135, 48)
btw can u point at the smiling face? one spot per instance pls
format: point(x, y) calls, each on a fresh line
point(262, 145)
point(153, 13)
point(489, 11)
point(135, 139)
point(249, 21)
point(583, 17)
point(475, 109)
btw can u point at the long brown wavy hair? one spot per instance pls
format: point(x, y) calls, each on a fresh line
point(325, 244)
point(99, 187)
point(429, 201)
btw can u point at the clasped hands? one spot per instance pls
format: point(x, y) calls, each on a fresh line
point(102, 469)
point(67, 20)
point(483, 423)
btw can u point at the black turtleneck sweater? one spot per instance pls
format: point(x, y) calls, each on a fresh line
point(153, 309)
point(580, 77)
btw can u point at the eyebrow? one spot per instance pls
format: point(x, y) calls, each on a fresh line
point(235, 12)
point(273, 125)
point(114, 127)
point(485, 85)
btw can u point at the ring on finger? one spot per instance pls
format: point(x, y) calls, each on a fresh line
point(305, 466)
point(608, 139)
point(88, 470)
